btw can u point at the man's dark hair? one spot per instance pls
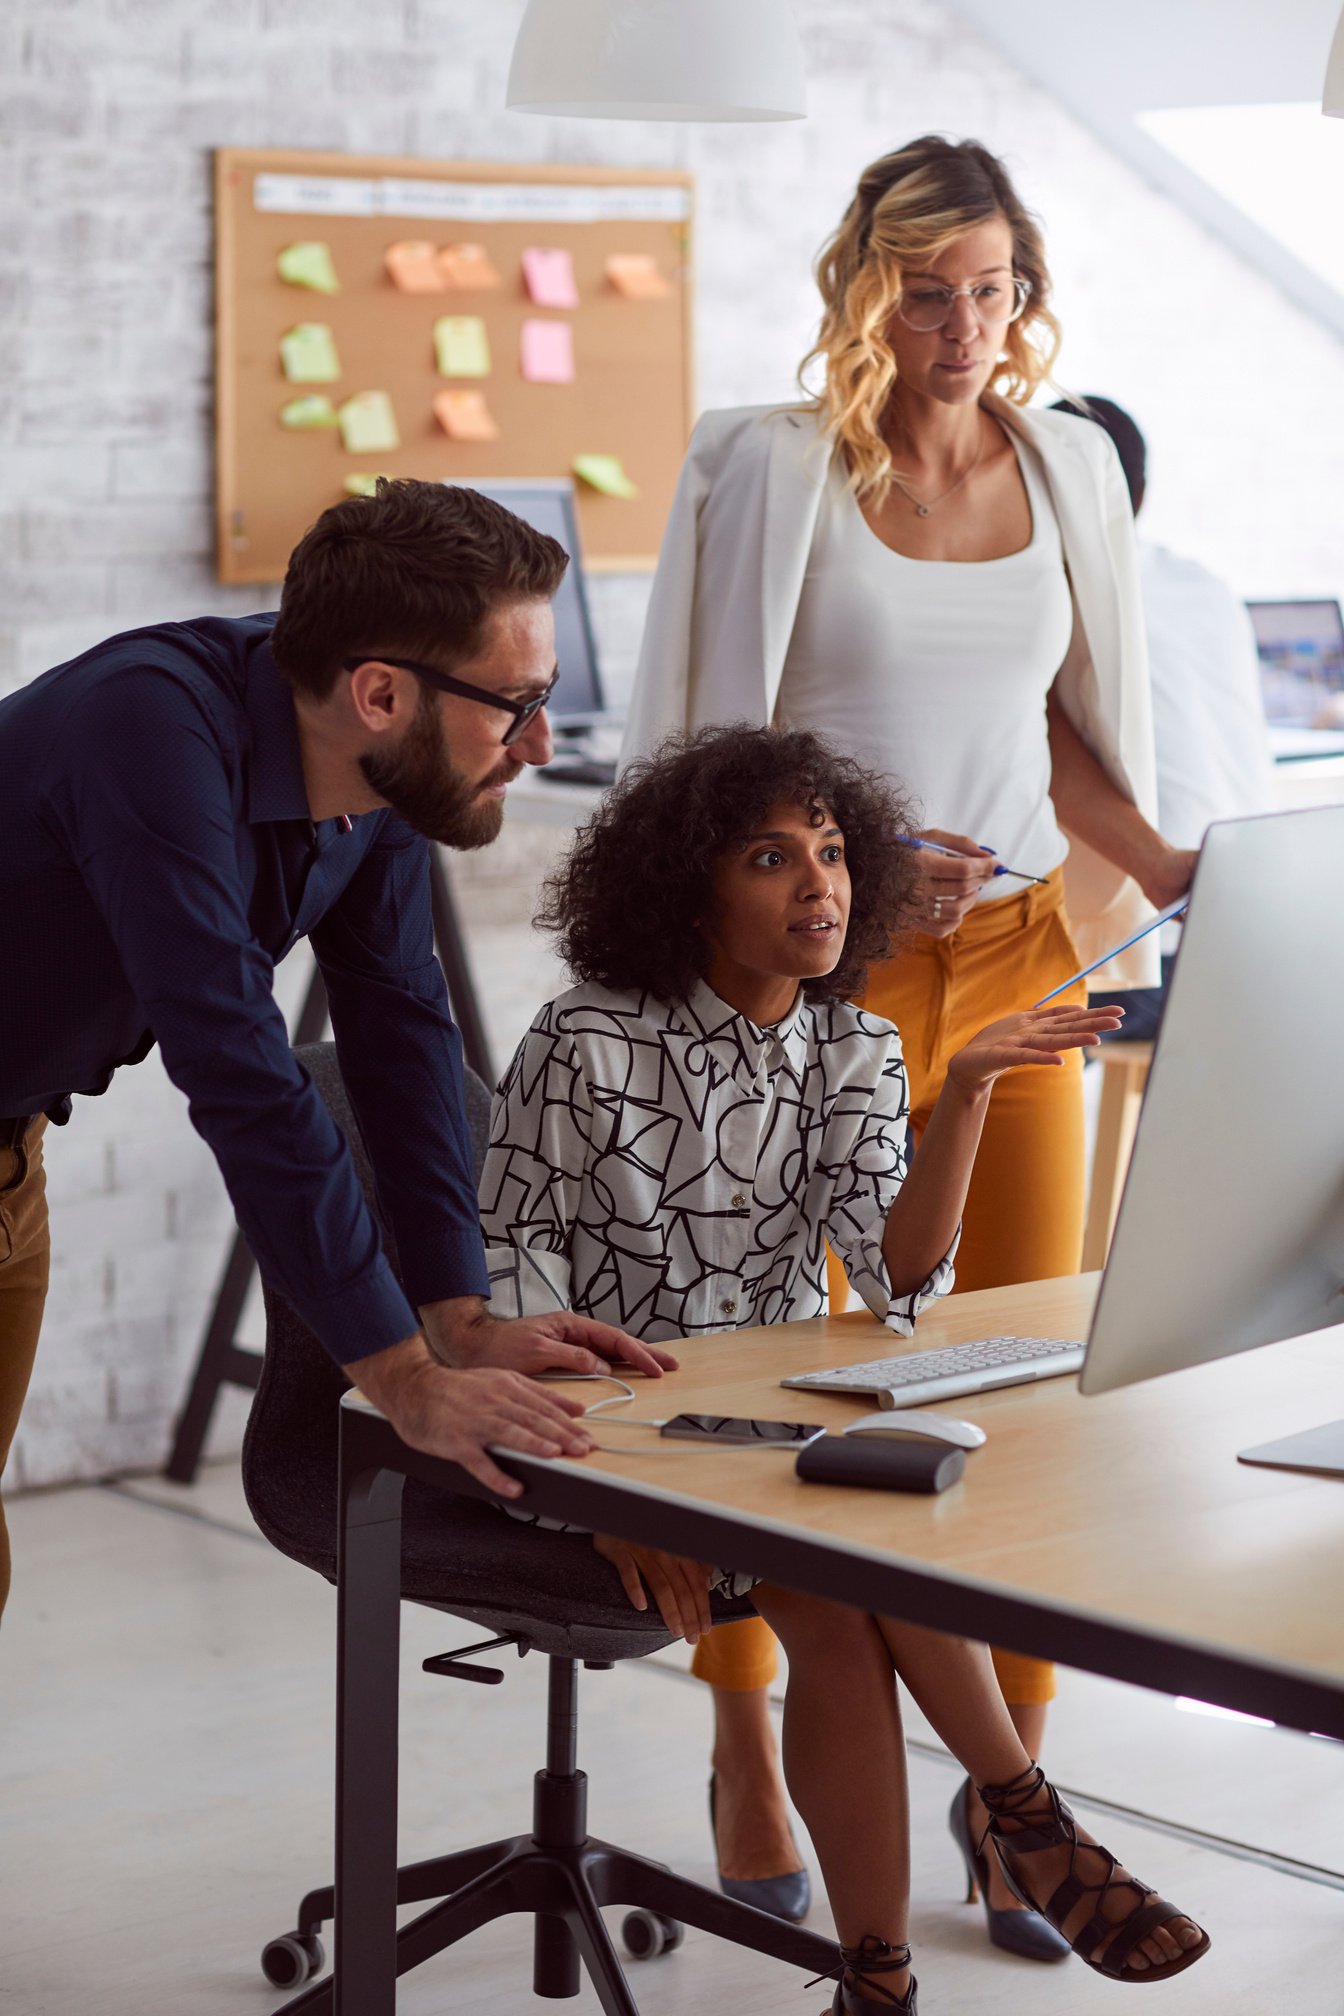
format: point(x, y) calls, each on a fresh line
point(414, 571)
point(1123, 430)
point(627, 901)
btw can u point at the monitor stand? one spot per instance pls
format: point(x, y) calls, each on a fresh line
point(1319, 1450)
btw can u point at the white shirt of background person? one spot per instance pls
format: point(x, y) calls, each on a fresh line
point(1213, 753)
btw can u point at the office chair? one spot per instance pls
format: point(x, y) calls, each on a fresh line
point(537, 1591)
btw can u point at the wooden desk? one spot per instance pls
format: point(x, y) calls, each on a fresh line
point(1118, 1534)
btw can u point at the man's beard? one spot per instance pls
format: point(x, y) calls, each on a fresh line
point(419, 780)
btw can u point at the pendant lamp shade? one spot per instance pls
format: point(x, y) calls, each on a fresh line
point(658, 59)
point(1333, 101)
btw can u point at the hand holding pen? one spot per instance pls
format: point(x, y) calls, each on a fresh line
point(954, 853)
point(952, 870)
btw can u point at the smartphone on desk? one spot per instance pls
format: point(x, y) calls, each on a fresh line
point(737, 1428)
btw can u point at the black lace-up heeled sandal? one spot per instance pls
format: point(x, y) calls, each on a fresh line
point(863, 1964)
point(1037, 1820)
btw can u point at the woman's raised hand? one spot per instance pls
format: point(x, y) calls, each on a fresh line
point(947, 887)
point(1037, 1036)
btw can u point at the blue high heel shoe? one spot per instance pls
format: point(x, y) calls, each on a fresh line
point(1024, 1932)
point(788, 1896)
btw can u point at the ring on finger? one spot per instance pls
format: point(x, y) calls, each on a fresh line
point(937, 908)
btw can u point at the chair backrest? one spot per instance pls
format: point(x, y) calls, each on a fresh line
point(290, 1453)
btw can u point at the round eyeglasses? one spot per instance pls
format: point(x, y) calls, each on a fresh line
point(926, 306)
point(522, 711)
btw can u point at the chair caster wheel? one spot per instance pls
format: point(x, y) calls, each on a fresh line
point(647, 1934)
point(292, 1959)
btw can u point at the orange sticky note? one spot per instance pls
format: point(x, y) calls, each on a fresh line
point(413, 266)
point(549, 273)
point(464, 415)
point(636, 275)
point(467, 266)
point(548, 353)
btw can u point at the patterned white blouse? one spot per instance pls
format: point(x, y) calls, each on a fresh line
point(674, 1169)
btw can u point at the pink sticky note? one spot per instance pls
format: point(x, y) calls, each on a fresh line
point(548, 353)
point(549, 273)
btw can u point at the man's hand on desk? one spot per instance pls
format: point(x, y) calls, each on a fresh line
point(457, 1412)
point(679, 1587)
point(462, 1333)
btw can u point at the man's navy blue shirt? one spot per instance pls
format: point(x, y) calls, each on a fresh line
point(158, 860)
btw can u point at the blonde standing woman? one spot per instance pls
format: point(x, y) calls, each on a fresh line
point(945, 584)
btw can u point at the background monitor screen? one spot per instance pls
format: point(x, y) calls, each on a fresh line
point(549, 506)
point(1301, 647)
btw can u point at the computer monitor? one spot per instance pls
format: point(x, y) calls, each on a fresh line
point(1231, 1226)
point(548, 505)
point(1301, 649)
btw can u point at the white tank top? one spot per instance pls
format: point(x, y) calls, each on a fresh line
point(937, 671)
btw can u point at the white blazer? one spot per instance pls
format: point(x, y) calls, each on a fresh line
point(730, 575)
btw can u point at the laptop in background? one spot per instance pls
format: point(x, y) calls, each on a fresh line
point(1301, 650)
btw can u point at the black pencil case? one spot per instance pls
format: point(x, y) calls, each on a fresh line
point(895, 1465)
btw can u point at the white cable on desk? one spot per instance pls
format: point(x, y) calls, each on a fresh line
point(627, 1393)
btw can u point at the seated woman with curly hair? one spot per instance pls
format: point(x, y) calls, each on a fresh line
point(676, 1140)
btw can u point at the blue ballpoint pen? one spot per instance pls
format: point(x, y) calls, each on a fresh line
point(932, 847)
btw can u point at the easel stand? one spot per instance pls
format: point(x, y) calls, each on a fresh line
point(222, 1361)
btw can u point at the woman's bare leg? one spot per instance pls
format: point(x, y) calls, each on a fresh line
point(1029, 1719)
point(844, 1760)
point(752, 1825)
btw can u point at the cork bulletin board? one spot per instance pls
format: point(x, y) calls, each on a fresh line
point(448, 320)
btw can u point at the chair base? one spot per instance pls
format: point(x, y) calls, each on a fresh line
point(562, 1878)
point(563, 1888)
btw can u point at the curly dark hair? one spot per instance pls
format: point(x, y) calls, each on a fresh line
point(625, 900)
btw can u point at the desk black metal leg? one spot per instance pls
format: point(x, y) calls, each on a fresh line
point(452, 952)
point(367, 1673)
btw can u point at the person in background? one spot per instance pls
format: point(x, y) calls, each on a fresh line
point(1213, 754)
point(178, 807)
point(675, 1140)
point(943, 580)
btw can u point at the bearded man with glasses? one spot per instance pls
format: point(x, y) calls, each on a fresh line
point(178, 807)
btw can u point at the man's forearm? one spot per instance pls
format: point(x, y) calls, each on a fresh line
point(388, 1378)
point(451, 1323)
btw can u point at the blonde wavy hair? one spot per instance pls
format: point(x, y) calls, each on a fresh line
point(908, 208)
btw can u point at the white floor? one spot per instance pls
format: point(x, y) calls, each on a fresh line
point(165, 1774)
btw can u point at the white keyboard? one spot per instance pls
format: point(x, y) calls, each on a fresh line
point(952, 1370)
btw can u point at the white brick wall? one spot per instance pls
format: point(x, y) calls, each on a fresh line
point(108, 109)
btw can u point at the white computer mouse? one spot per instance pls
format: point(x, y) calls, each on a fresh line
point(915, 1421)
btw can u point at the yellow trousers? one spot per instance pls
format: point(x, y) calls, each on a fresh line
point(1024, 1212)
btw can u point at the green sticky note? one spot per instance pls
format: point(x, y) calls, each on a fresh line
point(314, 409)
point(461, 347)
point(368, 424)
point(308, 354)
point(309, 265)
point(362, 484)
point(605, 473)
